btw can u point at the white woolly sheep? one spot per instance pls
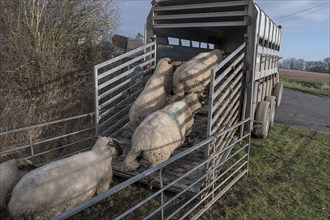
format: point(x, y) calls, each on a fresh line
point(195, 75)
point(60, 185)
point(10, 173)
point(162, 132)
point(154, 95)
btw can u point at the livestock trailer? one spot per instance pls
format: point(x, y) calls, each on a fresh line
point(243, 94)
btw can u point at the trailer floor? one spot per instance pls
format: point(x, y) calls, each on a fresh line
point(176, 169)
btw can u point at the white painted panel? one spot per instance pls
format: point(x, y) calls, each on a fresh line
point(274, 33)
point(263, 24)
point(258, 20)
point(267, 28)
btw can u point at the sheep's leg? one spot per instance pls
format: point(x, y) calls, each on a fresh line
point(103, 186)
point(131, 161)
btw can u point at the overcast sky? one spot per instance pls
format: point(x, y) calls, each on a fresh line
point(305, 35)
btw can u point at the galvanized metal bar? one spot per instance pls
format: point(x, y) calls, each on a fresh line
point(65, 156)
point(115, 125)
point(120, 85)
point(224, 84)
point(228, 58)
point(200, 6)
point(226, 71)
point(162, 194)
point(201, 212)
point(115, 69)
point(209, 117)
point(106, 63)
point(108, 111)
point(114, 116)
point(172, 183)
point(142, 175)
point(207, 196)
point(121, 94)
point(96, 100)
point(63, 136)
point(200, 15)
point(204, 189)
point(226, 93)
point(185, 175)
point(45, 124)
point(230, 111)
point(228, 122)
point(32, 150)
point(203, 24)
point(62, 147)
point(122, 75)
point(15, 149)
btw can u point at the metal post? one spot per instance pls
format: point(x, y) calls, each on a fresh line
point(96, 99)
point(162, 193)
point(32, 150)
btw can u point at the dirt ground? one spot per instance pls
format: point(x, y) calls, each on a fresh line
point(301, 75)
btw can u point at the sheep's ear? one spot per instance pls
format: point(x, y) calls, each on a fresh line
point(117, 144)
point(24, 164)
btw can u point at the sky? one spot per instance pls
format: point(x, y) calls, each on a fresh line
point(306, 34)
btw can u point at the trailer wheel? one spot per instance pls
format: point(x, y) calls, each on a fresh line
point(272, 101)
point(278, 91)
point(262, 120)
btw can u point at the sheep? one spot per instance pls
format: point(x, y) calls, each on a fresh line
point(10, 173)
point(154, 95)
point(162, 132)
point(60, 185)
point(195, 75)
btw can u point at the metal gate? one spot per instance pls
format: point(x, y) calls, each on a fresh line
point(225, 104)
point(118, 82)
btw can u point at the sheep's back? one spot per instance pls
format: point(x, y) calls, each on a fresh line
point(8, 179)
point(59, 181)
point(157, 130)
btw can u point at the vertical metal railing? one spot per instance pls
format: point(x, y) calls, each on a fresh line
point(226, 88)
point(233, 168)
point(117, 83)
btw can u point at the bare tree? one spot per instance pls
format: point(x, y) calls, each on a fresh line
point(47, 49)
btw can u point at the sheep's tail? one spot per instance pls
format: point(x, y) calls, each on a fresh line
point(132, 160)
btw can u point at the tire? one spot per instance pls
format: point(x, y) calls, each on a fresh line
point(262, 120)
point(273, 105)
point(278, 91)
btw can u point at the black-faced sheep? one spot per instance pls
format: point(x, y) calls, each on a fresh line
point(162, 132)
point(60, 185)
point(195, 75)
point(10, 173)
point(154, 95)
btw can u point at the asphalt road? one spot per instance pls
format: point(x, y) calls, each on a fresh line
point(304, 110)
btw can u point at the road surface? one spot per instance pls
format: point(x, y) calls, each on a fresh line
point(304, 110)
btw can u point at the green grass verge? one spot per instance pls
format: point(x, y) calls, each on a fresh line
point(288, 179)
point(313, 87)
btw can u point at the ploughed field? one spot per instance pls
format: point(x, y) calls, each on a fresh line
point(302, 75)
point(308, 82)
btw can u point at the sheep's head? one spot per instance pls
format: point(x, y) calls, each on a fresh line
point(24, 166)
point(106, 145)
point(116, 144)
point(194, 101)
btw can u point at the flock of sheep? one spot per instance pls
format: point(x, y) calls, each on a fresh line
point(162, 116)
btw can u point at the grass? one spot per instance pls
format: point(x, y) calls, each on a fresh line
point(313, 87)
point(288, 179)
